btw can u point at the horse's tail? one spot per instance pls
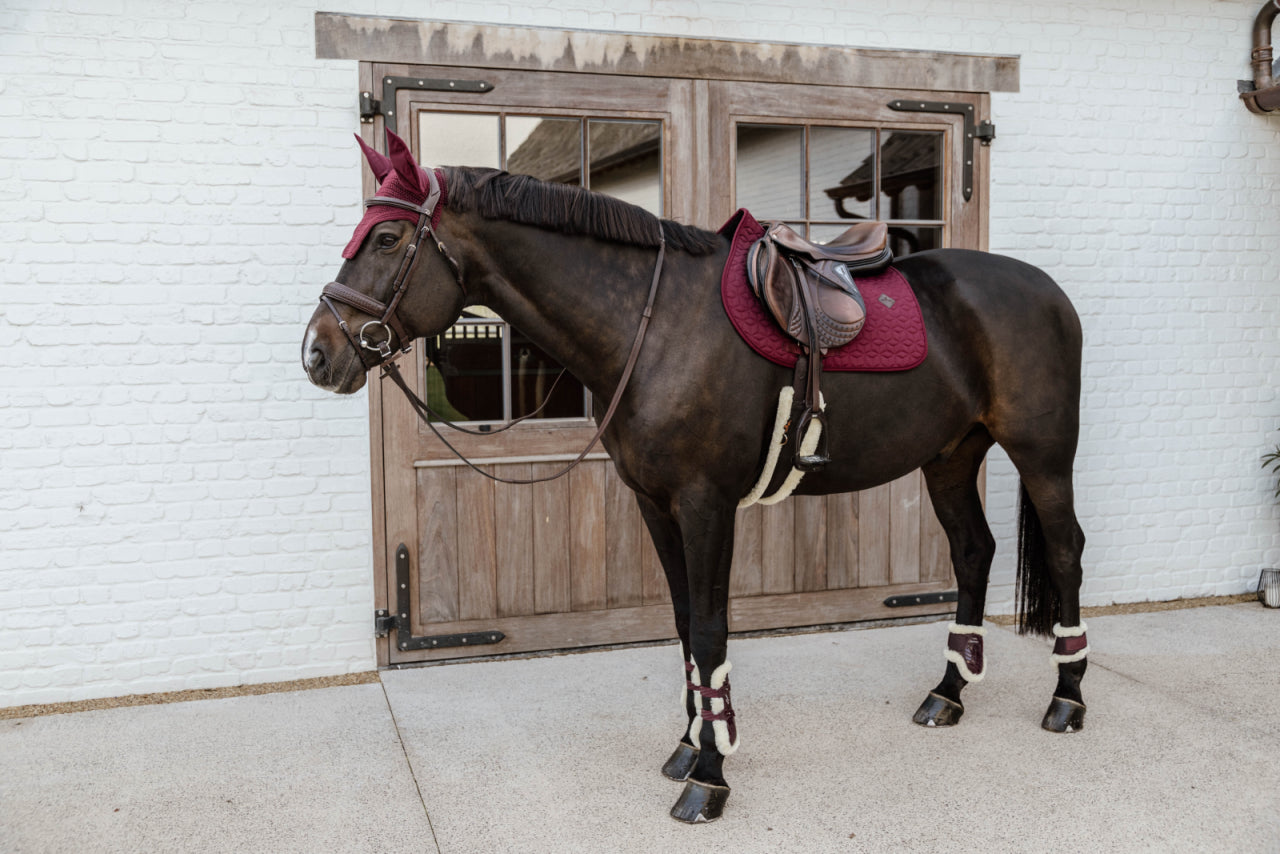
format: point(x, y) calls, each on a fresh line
point(1038, 602)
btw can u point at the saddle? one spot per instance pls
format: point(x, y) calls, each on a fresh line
point(809, 291)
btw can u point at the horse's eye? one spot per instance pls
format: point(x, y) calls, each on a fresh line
point(386, 241)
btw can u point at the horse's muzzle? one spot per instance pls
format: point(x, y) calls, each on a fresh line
point(337, 370)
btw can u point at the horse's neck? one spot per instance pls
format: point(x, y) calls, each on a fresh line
point(580, 299)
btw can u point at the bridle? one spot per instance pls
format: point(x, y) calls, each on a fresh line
point(386, 312)
point(391, 325)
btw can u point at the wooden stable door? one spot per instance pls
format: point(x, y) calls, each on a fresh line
point(468, 567)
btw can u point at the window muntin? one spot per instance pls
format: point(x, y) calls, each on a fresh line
point(482, 369)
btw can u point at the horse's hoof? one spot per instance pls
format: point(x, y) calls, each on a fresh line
point(937, 710)
point(700, 802)
point(1064, 715)
point(681, 762)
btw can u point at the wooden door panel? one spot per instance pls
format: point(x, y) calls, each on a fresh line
point(810, 537)
point(552, 522)
point(438, 546)
point(476, 546)
point(777, 548)
point(842, 540)
point(513, 524)
point(873, 536)
point(588, 554)
point(746, 578)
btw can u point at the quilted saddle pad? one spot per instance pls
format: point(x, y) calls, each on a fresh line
point(893, 338)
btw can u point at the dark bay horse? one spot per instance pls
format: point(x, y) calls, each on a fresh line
point(573, 269)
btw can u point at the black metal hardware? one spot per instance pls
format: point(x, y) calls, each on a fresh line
point(909, 600)
point(384, 622)
point(386, 105)
point(984, 132)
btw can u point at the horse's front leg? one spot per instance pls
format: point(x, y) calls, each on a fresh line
point(665, 532)
point(706, 523)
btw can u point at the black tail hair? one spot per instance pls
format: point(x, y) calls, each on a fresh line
point(1039, 604)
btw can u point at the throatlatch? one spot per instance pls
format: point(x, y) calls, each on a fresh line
point(720, 713)
point(964, 650)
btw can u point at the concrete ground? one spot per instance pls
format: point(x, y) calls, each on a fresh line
point(1181, 752)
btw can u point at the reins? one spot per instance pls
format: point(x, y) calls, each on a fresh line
point(390, 323)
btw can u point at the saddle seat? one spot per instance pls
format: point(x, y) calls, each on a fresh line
point(809, 290)
point(862, 244)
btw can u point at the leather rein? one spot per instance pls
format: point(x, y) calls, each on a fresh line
point(379, 344)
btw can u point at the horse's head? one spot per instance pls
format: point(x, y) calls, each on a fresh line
point(398, 282)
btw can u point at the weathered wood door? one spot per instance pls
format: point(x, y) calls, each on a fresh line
point(568, 563)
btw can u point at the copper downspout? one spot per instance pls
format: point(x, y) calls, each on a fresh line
point(1265, 95)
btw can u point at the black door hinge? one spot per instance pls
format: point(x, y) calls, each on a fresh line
point(909, 600)
point(385, 622)
point(984, 132)
point(371, 107)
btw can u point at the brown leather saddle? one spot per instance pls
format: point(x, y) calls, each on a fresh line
point(809, 291)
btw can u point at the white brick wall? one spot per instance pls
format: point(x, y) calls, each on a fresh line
point(179, 508)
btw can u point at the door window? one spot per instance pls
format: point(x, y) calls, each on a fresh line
point(820, 179)
point(483, 369)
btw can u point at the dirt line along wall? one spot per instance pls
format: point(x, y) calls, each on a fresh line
point(180, 509)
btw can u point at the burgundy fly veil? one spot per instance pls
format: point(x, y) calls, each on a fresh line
point(407, 182)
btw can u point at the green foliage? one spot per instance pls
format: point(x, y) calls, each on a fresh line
point(1271, 463)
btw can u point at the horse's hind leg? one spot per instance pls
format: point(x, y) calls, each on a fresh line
point(953, 489)
point(665, 533)
point(1049, 574)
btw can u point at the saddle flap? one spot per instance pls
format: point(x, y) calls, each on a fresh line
point(836, 308)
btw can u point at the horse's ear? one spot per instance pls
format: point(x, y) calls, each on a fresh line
point(379, 163)
point(404, 164)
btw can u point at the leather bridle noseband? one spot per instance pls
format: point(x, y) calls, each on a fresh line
point(391, 325)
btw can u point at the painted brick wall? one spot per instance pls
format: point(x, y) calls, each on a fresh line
point(179, 508)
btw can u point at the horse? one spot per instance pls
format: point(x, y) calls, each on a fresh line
point(692, 410)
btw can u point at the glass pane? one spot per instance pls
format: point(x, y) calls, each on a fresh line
point(626, 161)
point(464, 372)
point(911, 175)
point(532, 374)
point(458, 139)
point(906, 239)
point(842, 175)
point(550, 149)
point(770, 171)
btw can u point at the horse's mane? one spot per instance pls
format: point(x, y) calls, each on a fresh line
point(567, 209)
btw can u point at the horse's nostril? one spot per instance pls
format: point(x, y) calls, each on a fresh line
point(315, 359)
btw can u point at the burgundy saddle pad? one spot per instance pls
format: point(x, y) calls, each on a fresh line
point(893, 338)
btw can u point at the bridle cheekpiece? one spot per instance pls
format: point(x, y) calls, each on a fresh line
point(369, 339)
